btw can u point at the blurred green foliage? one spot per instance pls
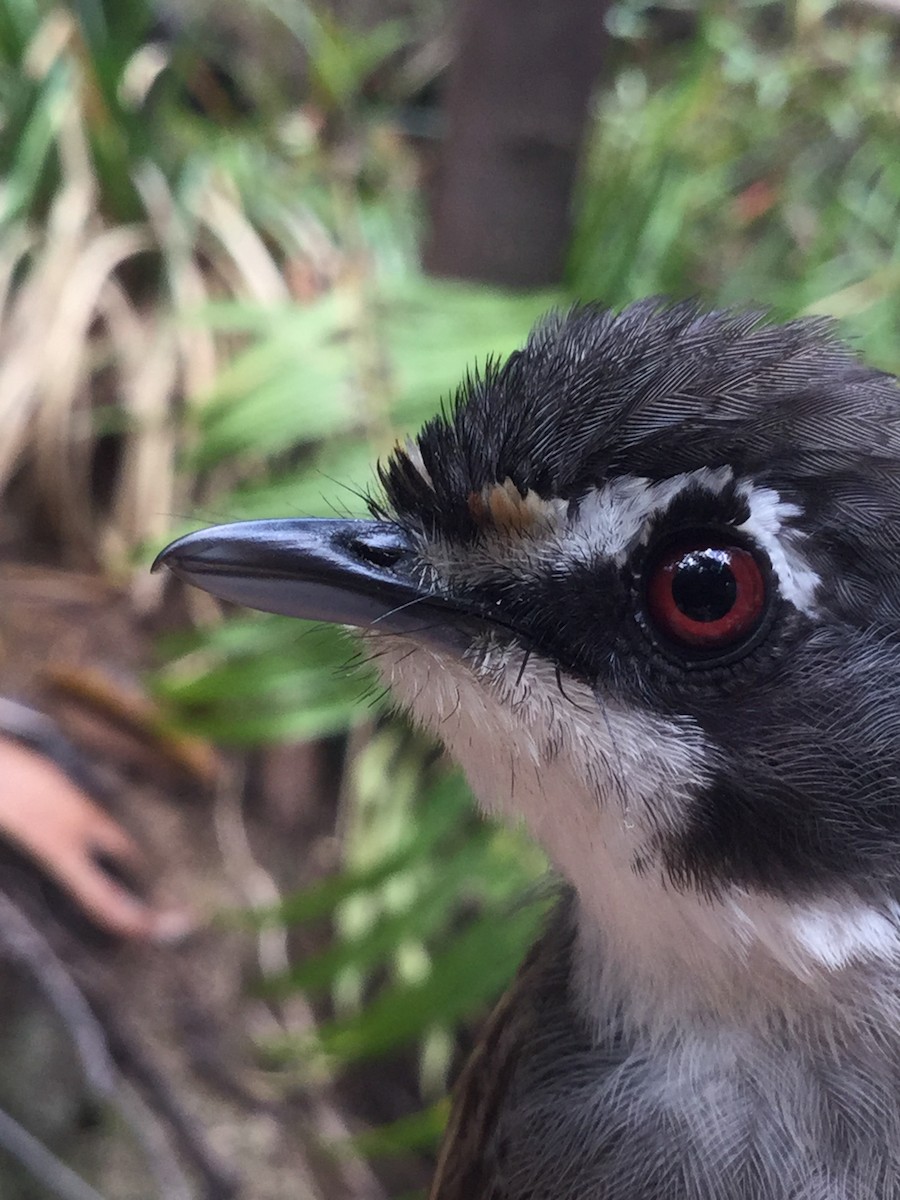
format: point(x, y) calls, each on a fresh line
point(742, 152)
point(756, 165)
point(752, 163)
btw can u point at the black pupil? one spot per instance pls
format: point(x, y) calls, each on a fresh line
point(703, 585)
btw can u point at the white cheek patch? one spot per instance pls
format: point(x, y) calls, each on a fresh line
point(597, 785)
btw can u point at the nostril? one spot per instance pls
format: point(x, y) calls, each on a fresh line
point(379, 548)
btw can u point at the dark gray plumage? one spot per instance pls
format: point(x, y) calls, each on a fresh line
point(795, 1110)
point(643, 579)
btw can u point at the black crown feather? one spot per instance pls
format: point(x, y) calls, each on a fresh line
point(654, 391)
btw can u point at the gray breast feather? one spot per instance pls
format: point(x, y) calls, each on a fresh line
point(706, 1114)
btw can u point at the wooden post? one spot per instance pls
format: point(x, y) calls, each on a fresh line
point(517, 107)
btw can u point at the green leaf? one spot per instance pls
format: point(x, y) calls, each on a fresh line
point(418, 1131)
point(471, 970)
point(434, 905)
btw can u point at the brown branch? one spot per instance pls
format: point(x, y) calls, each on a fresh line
point(24, 944)
point(356, 1178)
point(41, 1164)
point(219, 1180)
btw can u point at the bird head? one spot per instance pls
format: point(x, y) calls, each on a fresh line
point(643, 580)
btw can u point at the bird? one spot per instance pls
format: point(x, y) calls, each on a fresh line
point(642, 578)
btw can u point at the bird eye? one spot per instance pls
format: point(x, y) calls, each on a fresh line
point(706, 594)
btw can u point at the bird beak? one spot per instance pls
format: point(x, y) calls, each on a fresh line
point(348, 572)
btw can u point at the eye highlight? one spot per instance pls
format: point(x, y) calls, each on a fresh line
point(706, 594)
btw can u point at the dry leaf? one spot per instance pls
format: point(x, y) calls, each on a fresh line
point(133, 712)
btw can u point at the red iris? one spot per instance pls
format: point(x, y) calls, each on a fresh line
point(705, 593)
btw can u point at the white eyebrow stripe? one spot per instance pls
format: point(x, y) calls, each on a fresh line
point(614, 519)
point(768, 525)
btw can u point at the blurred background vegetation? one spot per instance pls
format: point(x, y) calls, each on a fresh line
point(212, 307)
